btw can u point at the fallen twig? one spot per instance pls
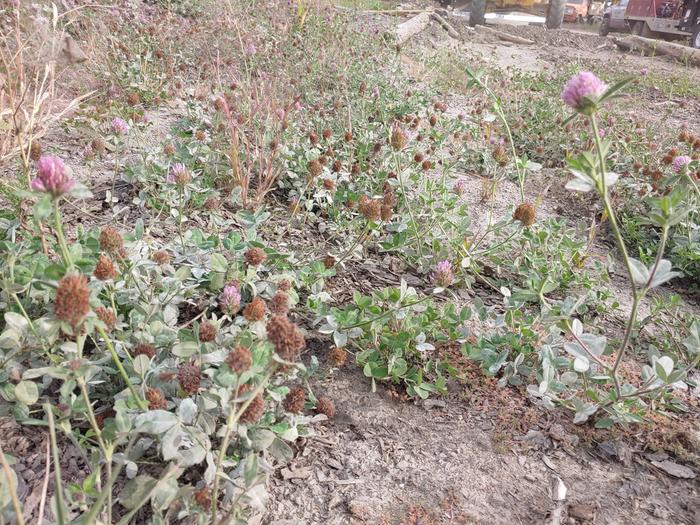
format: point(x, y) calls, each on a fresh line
point(505, 36)
point(412, 27)
point(446, 26)
point(684, 54)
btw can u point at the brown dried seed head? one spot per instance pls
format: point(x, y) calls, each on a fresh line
point(133, 99)
point(212, 203)
point(284, 285)
point(111, 241)
point(200, 135)
point(325, 406)
point(207, 332)
point(327, 133)
point(255, 410)
point(156, 399)
point(386, 213)
point(337, 356)
point(313, 138)
point(286, 337)
point(279, 304)
point(370, 209)
point(255, 256)
point(169, 149)
point(189, 376)
point(348, 136)
point(105, 270)
point(328, 261)
point(525, 213)
point(255, 310)
point(107, 316)
point(239, 359)
point(144, 349)
point(98, 145)
point(295, 400)
point(315, 169)
point(72, 301)
point(398, 138)
point(161, 257)
point(328, 184)
point(35, 151)
point(202, 497)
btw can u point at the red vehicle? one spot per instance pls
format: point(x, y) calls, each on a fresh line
point(654, 18)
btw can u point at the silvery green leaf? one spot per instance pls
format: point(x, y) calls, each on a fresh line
point(155, 422)
point(594, 343)
point(261, 438)
point(16, 321)
point(340, 339)
point(170, 443)
point(577, 327)
point(581, 364)
point(131, 469)
point(611, 178)
point(257, 497)
point(575, 350)
point(27, 392)
point(141, 364)
point(218, 263)
point(10, 340)
point(640, 274)
point(134, 490)
point(186, 349)
point(663, 273)
point(569, 378)
point(424, 347)
point(663, 367)
point(692, 342)
point(580, 182)
point(250, 471)
point(584, 411)
point(193, 455)
point(187, 410)
point(281, 450)
point(291, 434)
point(164, 493)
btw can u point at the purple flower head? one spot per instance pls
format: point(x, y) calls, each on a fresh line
point(460, 187)
point(53, 176)
point(443, 274)
point(375, 92)
point(680, 162)
point(230, 299)
point(251, 49)
point(119, 126)
point(582, 92)
point(178, 174)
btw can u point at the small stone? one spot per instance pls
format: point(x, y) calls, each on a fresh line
point(582, 511)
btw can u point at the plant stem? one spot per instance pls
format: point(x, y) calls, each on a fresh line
point(636, 297)
point(233, 418)
point(58, 489)
point(408, 204)
point(179, 219)
point(59, 234)
point(12, 490)
point(120, 367)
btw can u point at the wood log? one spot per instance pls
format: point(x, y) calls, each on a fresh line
point(505, 36)
point(446, 26)
point(684, 54)
point(411, 27)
